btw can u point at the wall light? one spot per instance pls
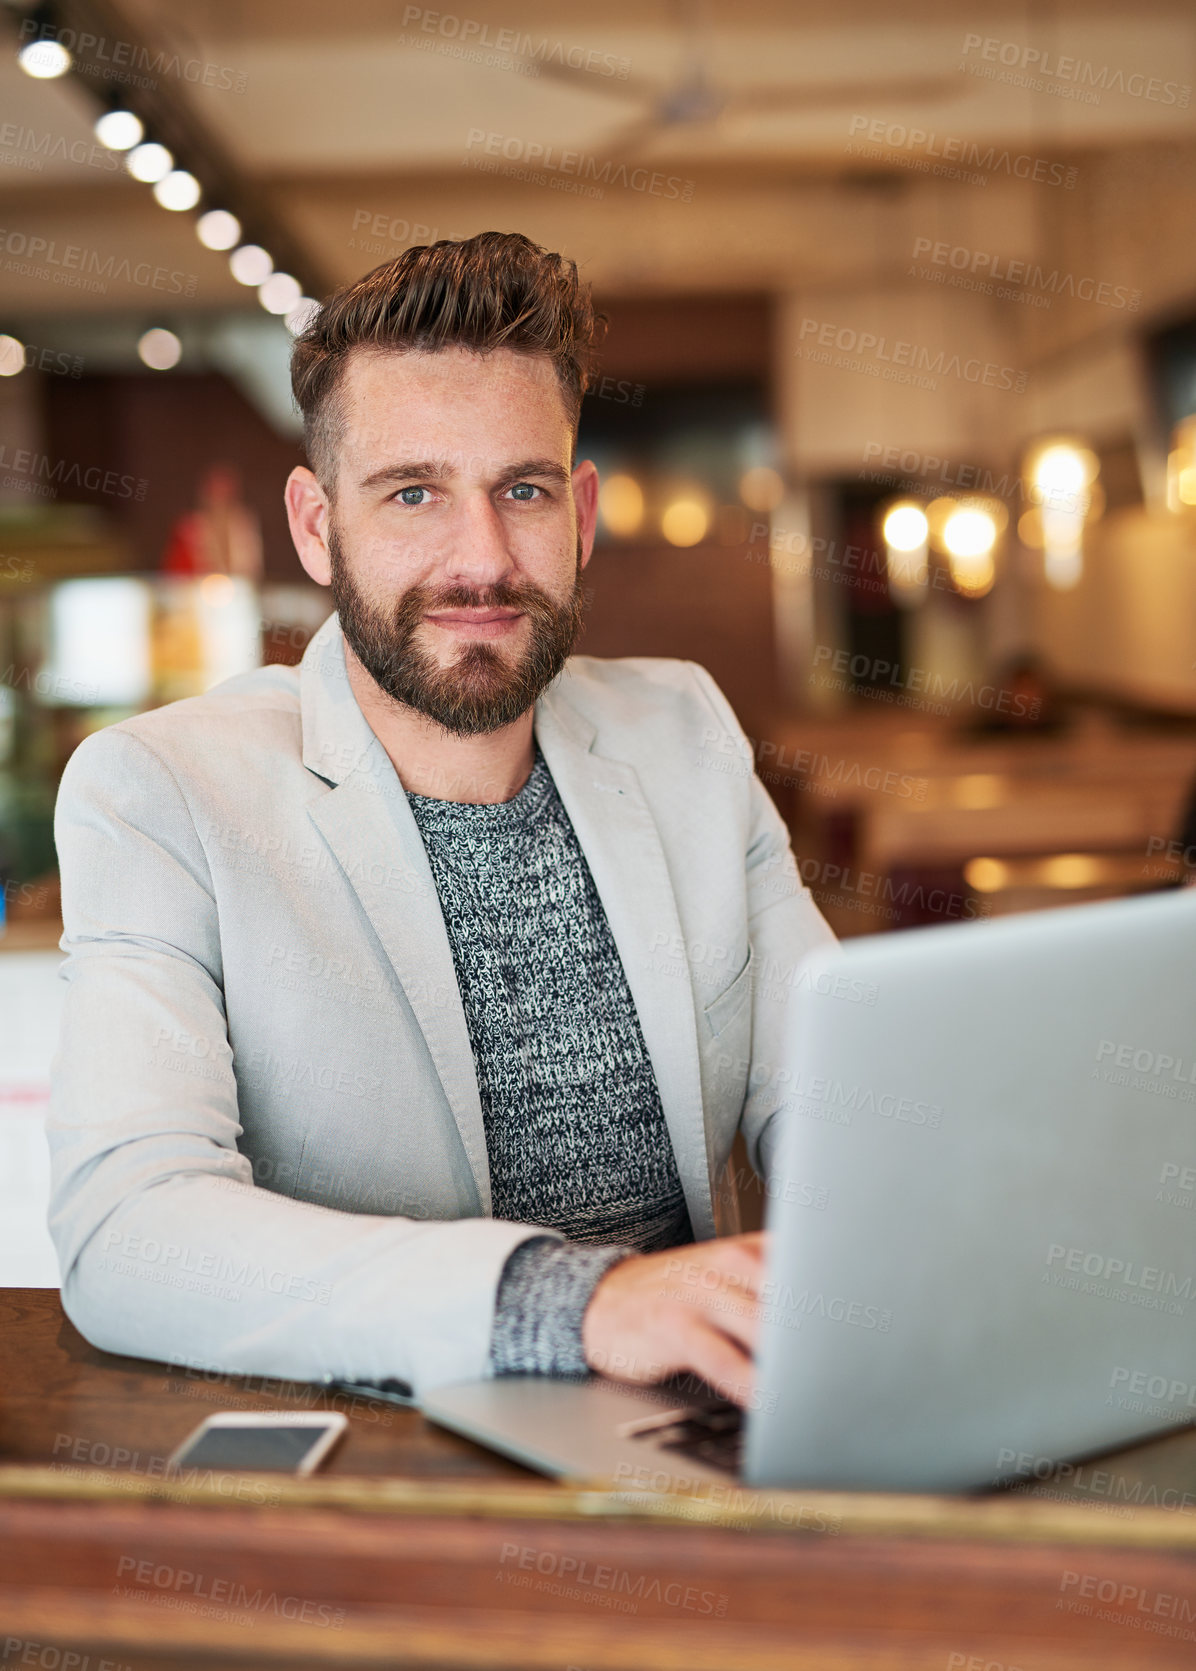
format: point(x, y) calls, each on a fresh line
point(12, 356)
point(1181, 467)
point(906, 532)
point(218, 229)
point(1060, 473)
point(178, 190)
point(684, 522)
point(279, 293)
point(160, 350)
point(250, 264)
point(44, 60)
point(149, 162)
point(119, 130)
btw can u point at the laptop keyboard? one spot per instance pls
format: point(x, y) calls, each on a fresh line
point(708, 1429)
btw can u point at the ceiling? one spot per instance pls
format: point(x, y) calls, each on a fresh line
point(362, 132)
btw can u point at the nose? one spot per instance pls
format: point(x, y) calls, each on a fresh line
point(479, 553)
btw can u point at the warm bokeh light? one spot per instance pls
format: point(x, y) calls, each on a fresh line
point(761, 488)
point(906, 530)
point(149, 162)
point(159, 349)
point(251, 265)
point(178, 190)
point(969, 533)
point(1072, 870)
point(905, 527)
point(986, 876)
point(218, 229)
point(44, 60)
point(280, 293)
point(12, 356)
point(684, 522)
point(119, 130)
point(1181, 467)
point(1060, 473)
point(621, 505)
point(972, 573)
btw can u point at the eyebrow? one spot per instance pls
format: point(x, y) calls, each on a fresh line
point(427, 470)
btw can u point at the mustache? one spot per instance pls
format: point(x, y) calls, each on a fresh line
point(422, 600)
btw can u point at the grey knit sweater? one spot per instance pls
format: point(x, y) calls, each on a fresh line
point(575, 1132)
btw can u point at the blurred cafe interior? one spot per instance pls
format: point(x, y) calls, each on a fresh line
point(896, 418)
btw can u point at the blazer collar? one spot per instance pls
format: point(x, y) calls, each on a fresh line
point(368, 823)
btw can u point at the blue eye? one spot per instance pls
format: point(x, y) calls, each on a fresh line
point(404, 491)
point(524, 490)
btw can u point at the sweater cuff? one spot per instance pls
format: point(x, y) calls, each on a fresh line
point(543, 1293)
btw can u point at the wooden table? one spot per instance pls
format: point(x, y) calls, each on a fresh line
point(413, 1548)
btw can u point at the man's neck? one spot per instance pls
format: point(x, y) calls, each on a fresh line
point(491, 766)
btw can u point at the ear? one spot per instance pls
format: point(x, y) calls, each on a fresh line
point(307, 512)
point(585, 500)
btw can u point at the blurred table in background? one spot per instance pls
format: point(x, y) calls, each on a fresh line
point(883, 807)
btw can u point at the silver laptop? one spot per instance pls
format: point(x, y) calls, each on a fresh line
point(983, 1227)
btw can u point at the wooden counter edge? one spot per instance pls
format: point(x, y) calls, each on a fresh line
point(1010, 1518)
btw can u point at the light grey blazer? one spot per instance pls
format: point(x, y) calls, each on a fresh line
point(266, 1136)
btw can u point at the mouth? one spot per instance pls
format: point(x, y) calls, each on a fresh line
point(484, 623)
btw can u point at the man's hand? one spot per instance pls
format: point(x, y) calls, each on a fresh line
point(690, 1308)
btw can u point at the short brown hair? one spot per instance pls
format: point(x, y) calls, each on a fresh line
point(495, 290)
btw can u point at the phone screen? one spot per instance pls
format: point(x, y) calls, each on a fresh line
point(258, 1449)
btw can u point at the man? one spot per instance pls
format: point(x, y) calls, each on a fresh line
point(412, 1006)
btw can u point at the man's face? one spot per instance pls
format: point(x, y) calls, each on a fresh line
point(454, 546)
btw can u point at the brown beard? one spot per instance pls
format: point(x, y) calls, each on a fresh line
point(481, 690)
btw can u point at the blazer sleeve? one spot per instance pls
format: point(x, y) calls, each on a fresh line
point(784, 925)
point(168, 1248)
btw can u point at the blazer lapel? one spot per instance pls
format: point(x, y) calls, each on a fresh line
point(369, 826)
point(619, 837)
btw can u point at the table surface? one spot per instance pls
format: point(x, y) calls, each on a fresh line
point(414, 1547)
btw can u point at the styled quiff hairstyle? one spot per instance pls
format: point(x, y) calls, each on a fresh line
point(496, 290)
